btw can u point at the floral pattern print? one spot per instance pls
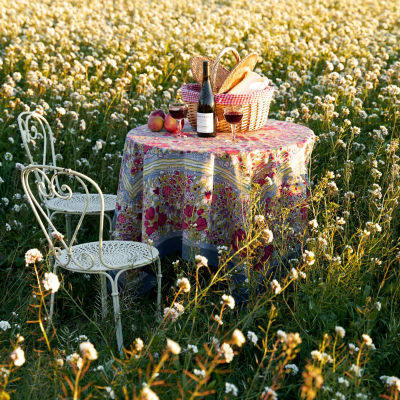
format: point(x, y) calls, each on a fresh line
point(198, 190)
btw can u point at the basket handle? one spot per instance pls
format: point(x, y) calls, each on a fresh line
point(218, 58)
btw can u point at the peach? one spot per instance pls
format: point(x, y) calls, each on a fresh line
point(155, 123)
point(171, 125)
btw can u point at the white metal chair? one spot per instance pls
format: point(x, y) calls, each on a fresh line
point(100, 257)
point(33, 127)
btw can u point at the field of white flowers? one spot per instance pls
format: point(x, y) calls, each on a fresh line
point(329, 328)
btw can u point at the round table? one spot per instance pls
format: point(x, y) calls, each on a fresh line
point(191, 194)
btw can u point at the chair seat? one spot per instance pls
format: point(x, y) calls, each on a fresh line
point(77, 203)
point(118, 254)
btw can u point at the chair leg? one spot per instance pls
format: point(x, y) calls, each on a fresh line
point(110, 222)
point(159, 276)
point(103, 282)
point(51, 311)
point(50, 216)
point(68, 219)
point(117, 313)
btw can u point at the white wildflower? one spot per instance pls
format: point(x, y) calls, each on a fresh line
point(340, 221)
point(139, 345)
point(173, 347)
point(88, 350)
point(275, 286)
point(294, 274)
point(343, 381)
point(292, 369)
point(238, 338)
point(268, 235)
point(99, 146)
point(316, 355)
point(332, 186)
point(193, 348)
point(281, 335)
point(183, 284)
point(228, 300)
point(18, 357)
point(227, 351)
point(32, 256)
point(221, 249)
point(82, 125)
point(171, 314)
point(57, 235)
point(309, 257)
point(60, 110)
point(201, 261)
point(51, 282)
point(231, 388)
point(340, 331)
point(259, 219)
point(393, 381)
point(272, 395)
point(340, 396)
point(75, 359)
point(367, 339)
point(356, 370)
point(199, 372)
point(353, 348)
point(110, 392)
point(5, 325)
point(252, 337)
point(148, 394)
point(20, 338)
point(330, 175)
point(179, 308)
point(60, 362)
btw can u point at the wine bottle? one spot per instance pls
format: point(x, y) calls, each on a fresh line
point(206, 121)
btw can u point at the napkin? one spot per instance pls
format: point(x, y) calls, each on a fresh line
point(250, 83)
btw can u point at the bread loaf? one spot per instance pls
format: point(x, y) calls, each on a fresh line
point(250, 83)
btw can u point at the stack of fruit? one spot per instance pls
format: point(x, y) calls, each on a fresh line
point(158, 120)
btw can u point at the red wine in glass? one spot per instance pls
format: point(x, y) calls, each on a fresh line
point(233, 117)
point(178, 112)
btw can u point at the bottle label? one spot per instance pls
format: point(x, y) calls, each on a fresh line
point(205, 122)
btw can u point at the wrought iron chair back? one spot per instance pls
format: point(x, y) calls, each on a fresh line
point(36, 134)
point(46, 189)
point(34, 127)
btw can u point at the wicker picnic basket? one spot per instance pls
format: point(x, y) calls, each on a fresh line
point(255, 105)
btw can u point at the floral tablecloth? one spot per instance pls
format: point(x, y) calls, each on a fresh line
point(191, 194)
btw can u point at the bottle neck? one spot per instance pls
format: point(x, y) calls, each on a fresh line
point(206, 74)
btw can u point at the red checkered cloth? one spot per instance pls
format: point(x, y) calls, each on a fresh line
point(191, 92)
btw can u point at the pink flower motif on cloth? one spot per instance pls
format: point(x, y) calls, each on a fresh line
point(150, 214)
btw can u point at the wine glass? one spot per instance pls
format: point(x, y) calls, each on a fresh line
point(233, 115)
point(178, 111)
